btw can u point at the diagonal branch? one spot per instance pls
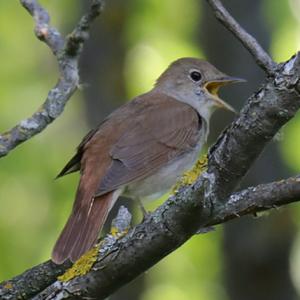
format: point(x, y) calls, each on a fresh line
point(261, 57)
point(249, 201)
point(206, 203)
point(43, 30)
point(67, 53)
point(198, 206)
point(36, 279)
point(33, 281)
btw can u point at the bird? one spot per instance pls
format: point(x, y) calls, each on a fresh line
point(141, 149)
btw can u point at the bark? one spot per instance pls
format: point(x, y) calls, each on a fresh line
point(249, 244)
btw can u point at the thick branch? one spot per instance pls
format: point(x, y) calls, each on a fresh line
point(124, 255)
point(260, 55)
point(33, 281)
point(38, 278)
point(248, 201)
point(264, 114)
point(67, 54)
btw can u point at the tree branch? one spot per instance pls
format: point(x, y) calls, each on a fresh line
point(245, 202)
point(193, 207)
point(209, 201)
point(260, 198)
point(32, 281)
point(38, 278)
point(261, 57)
point(67, 53)
point(43, 30)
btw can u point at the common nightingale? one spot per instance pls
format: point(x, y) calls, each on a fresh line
point(141, 149)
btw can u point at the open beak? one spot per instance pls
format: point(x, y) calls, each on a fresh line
point(213, 87)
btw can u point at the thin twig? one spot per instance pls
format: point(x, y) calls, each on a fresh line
point(260, 55)
point(260, 198)
point(67, 53)
point(43, 30)
point(80, 33)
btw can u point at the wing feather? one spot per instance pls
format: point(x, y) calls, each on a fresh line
point(159, 134)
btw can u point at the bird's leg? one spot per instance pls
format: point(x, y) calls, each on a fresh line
point(144, 211)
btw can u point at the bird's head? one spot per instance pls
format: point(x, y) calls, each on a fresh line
point(196, 82)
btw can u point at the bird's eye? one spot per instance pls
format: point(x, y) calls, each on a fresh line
point(195, 76)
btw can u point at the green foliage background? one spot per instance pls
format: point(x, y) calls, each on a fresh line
point(34, 207)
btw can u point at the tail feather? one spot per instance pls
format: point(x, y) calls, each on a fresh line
point(82, 229)
point(93, 225)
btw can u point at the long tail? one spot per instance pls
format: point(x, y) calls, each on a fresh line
point(84, 224)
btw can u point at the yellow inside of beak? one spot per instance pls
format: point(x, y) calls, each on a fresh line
point(213, 87)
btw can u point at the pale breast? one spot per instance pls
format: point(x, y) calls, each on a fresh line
point(160, 182)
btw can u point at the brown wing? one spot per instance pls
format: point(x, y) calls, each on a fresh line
point(162, 130)
point(89, 213)
point(74, 164)
point(133, 142)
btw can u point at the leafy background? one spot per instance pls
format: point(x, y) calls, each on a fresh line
point(34, 207)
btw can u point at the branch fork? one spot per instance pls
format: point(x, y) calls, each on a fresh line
point(67, 52)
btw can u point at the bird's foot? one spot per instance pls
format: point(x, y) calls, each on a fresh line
point(143, 209)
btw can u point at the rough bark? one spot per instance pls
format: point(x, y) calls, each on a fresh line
point(250, 245)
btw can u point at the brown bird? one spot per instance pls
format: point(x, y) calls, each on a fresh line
point(141, 149)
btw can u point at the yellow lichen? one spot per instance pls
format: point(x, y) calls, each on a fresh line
point(82, 266)
point(189, 177)
point(116, 233)
point(8, 285)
